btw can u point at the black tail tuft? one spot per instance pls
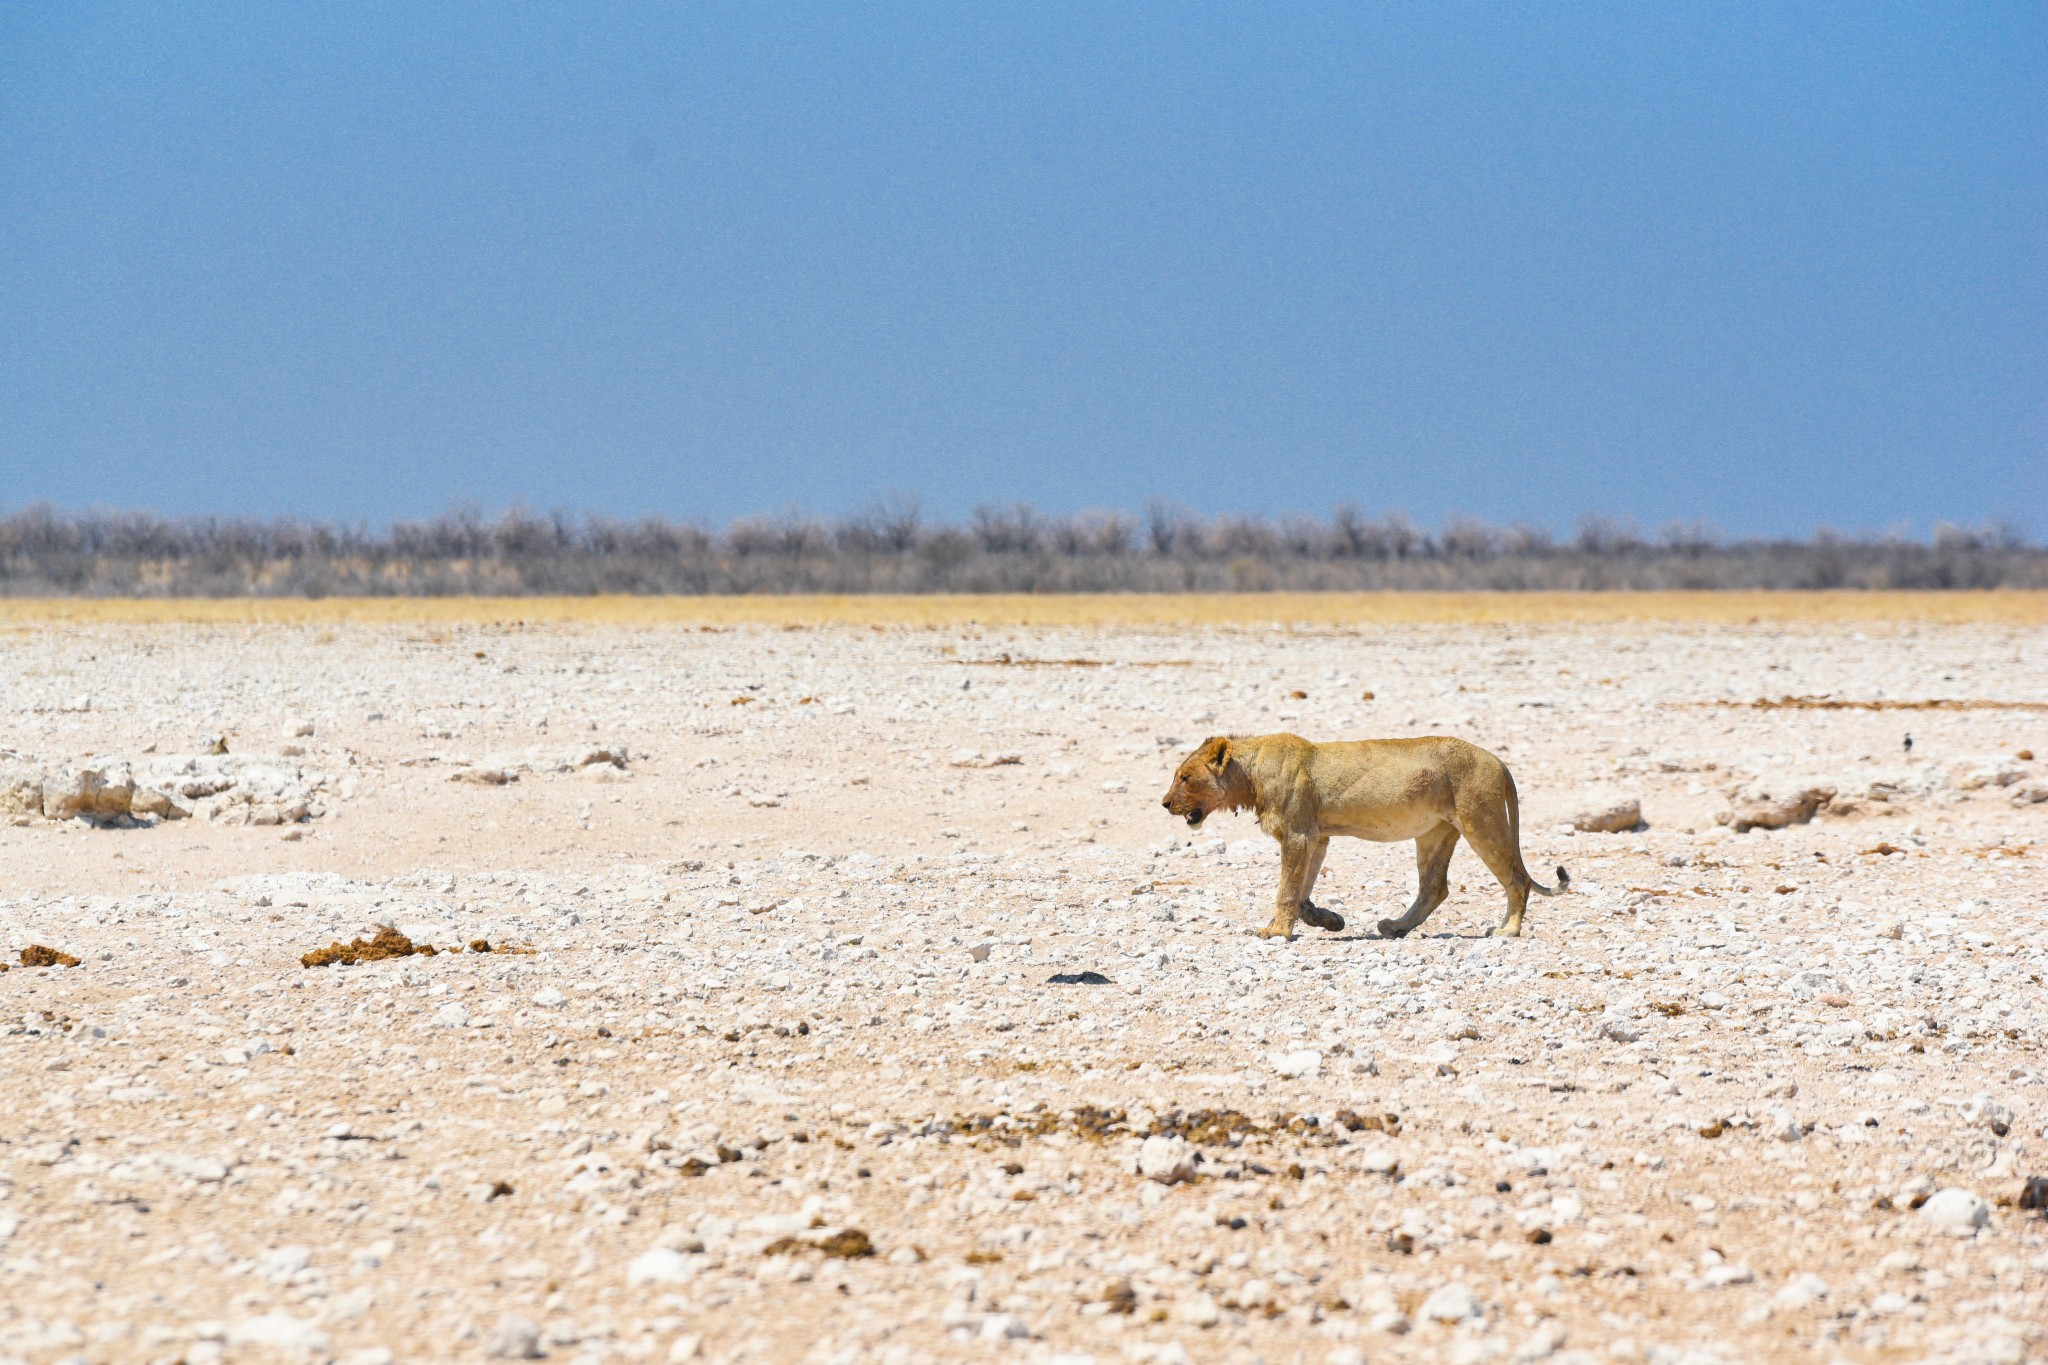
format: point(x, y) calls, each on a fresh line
point(1564, 878)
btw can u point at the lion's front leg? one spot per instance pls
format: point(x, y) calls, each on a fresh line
point(1281, 927)
point(1311, 913)
point(1294, 864)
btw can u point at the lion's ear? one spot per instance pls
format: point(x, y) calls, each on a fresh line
point(1215, 753)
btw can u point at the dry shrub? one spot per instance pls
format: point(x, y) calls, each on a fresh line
point(46, 553)
point(1334, 610)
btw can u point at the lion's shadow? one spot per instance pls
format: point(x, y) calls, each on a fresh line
point(1367, 936)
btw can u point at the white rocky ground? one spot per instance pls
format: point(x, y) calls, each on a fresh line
point(795, 898)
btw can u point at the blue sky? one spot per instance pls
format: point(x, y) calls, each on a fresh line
point(1773, 266)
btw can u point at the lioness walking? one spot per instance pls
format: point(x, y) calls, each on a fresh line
point(1430, 790)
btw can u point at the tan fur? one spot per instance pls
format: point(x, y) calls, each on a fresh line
point(1431, 790)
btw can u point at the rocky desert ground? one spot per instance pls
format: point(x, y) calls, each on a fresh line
point(842, 993)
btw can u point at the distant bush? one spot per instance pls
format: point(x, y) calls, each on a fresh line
point(892, 548)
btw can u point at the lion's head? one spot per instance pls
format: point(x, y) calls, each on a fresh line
point(1204, 782)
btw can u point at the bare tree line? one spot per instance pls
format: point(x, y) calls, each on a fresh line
point(892, 547)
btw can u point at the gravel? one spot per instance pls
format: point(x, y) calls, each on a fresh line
point(766, 1055)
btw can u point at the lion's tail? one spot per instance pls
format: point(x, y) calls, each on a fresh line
point(1564, 878)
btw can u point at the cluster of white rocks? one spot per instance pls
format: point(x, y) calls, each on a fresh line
point(225, 788)
point(889, 1029)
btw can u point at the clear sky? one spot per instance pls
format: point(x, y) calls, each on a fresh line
point(1773, 265)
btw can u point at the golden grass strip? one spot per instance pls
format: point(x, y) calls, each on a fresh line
point(1848, 704)
point(2028, 608)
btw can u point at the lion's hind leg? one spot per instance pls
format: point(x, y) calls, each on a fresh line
point(1432, 865)
point(1518, 899)
point(1488, 834)
point(1327, 920)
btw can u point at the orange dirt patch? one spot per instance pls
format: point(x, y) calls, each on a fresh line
point(848, 1244)
point(36, 955)
point(484, 945)
point(388, 943)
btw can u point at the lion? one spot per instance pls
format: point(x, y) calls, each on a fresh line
point(1432, 790)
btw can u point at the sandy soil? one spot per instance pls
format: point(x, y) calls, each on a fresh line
point(782, 1071)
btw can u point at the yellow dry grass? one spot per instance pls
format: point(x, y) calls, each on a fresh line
point(1106, 609)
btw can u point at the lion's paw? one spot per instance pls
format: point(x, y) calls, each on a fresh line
point(1275, 931)
point(1391, 929)
point(1328, 920)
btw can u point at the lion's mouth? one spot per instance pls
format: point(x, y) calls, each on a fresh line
point(1195, 818)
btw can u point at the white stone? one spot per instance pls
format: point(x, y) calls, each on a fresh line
point(279, 1330)
point(1297, 1065)
point(514, 1338)
point(1614, 1030)
point(1380, 1161)
point(154, 801)
point(1985, 1112)
point(1004, 1327)
point(1610, 814)
point(1543, 1343)
point(1955, 1210)
point(1452, 1302)
point(280, 1265)
point(661, 1266)
point(1167, 1159)
point(1801, 1290)
point(774, 1226)
point(1197, 1310)
point(207, 1170)
point(1775, 800)
point(548, 998)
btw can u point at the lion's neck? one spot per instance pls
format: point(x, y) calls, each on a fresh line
point(1238, 791)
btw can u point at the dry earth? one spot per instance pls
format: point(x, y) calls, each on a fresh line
point(796, 900)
